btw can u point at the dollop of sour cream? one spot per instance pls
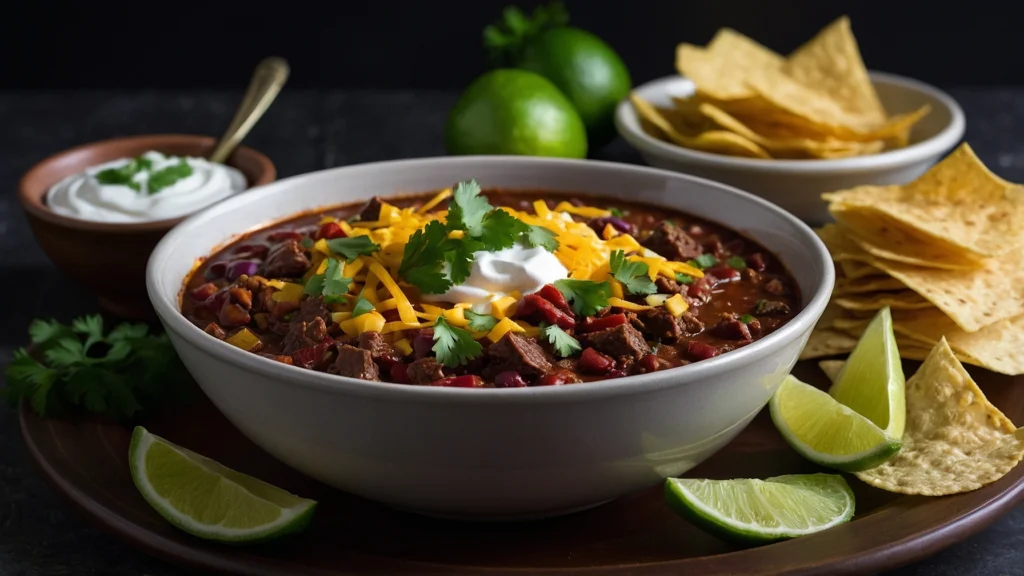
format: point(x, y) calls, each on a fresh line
point(497, 274)
point(86, 197)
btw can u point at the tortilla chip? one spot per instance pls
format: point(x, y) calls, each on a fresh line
point(853, 270)
point(827, 342)
point(717, 141)
point(721, 68)
point(959, 204)
point(866, 285)
point(902, 300)
point(831, 63)
point(955, 440)
point(883, 237)
point(973, 299)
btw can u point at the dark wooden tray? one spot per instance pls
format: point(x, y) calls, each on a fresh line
point(86, 460)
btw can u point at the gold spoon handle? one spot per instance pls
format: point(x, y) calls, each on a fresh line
point(267, 80)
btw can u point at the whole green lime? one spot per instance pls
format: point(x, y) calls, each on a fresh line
point(509, 111)
point(587, 70)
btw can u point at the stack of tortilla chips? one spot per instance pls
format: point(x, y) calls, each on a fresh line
point(945, 253)
point(818, 102)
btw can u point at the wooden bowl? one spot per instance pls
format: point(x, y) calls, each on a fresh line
point(110, 258)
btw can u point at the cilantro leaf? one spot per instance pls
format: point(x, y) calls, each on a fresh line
point(541, 236)
point(454, 346)
point(423, 259)
point(468, 208)
point(737, 262)
point(307, 242)
point(746, 318)
point(480, 322)
point(633, 275)
point(80, 369)
point(168, 176)
point(564, 344)
point(353, 247)
point(331, 284)
point(458, 254)
point(616, 212)
point(500, 230)
point(361, 307)
point(684, 278)
point(124, 175)
point(587, 296)
point(703, 261)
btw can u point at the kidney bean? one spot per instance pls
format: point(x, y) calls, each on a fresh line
point(702, 351)
point(610, 321)
point(533, 304)
point(467, 381)
point(757, 262)
point(256, 251)
point(652, 363)
point(723, 274)
point(594, 362)
point(400, 373)
point(423, 344)
point(203, 291)
point(215, 270)
point(330, 231)
point(555, 296)
point(282, 235)
point(557, 378)
point(509, 379)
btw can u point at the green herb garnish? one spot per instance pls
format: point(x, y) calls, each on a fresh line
point(506, 40)
point(468, 208)
point(424, 257)
point(617, 212)
point(747, 318)
point(307, 243)
point(703, 261)
point(479, 322)
point(169, 176)
point(540, 236)
point(453, 346)
point(362, 306)
point(633, 275)
point(331, 284)
point(737, 262)
point(124, 175)
point(563, 343)
point(587, 296)
point(353, 247)
point(684, 278)
point(81, 369)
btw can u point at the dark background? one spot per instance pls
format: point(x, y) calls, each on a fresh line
point(436, 44)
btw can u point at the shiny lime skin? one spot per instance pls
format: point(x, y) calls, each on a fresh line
point(509, 111)
point(587, 70)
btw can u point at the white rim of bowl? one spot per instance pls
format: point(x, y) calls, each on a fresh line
point(174, 321)
point(628, 125)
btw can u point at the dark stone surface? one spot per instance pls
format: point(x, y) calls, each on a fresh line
point(303, 131)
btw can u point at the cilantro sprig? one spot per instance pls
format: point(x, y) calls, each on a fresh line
point(331, 284)
point(480, 322)
point(434, 259)
point(79, 368)
point(156, 180)
point(352, 248)
point(563, 343)
point(587, 297)
point(703, 261)
point(362, 306)
point(454, 346)
point(168, 176)
point(506, 40)
point(633, 275)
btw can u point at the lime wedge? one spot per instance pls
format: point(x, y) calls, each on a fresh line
point(761, 511)
point(826, 432)
point(872, 382)
point(208, 500)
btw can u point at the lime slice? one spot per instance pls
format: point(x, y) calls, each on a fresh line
point(826, 432)
point(208, 500)
point(761, 511)
point(872, 382)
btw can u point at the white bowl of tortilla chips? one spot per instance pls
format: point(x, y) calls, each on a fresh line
point(789, 128)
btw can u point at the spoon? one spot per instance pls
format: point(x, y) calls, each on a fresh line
point(267, 81)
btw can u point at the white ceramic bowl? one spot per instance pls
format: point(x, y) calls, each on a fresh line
point(796, 185)
point(493, 453)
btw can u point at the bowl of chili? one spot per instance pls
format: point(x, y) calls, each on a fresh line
point(570, 333)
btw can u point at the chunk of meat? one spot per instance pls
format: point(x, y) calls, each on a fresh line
point(372, 210)
point(670, 286)
point(216, 331)
point(354, 363)
point(518, 354)
point(278, 358)
point(731, 327)
point(378, 347)
point(775, 286)
point(286, 260)
point(659, 324)
point(313, 307)
point(302, 334)
point(672, 243)
point(424, 371)
point(771, 308)
point(623, 341)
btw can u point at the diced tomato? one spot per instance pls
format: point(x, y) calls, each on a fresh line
point(555, 296)
point(330, 231)
point(533, 304)
point(702, 351)
point(594, 362)
point(592, 324)
point(467, 381)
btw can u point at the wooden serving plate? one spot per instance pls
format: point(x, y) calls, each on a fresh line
point(86, 460)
